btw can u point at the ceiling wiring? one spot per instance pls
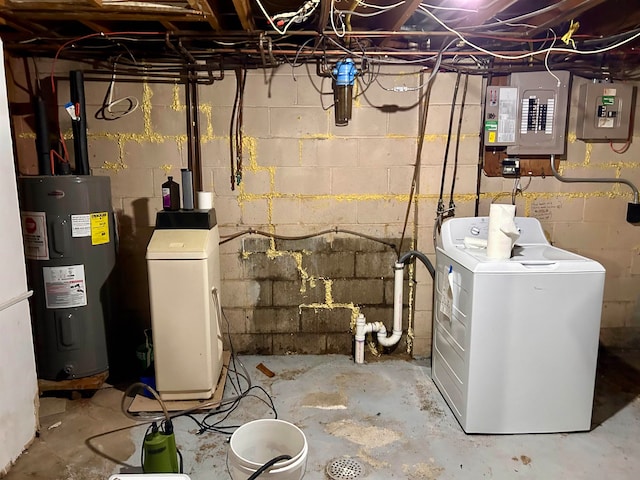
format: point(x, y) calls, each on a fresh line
point(527, 55)
point(452, 9)
point(333, 24)
point(546, 58)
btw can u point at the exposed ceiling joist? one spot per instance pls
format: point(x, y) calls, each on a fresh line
point(485, 13)
point(392, 28)
point(395, 18)
point(565, 11)
point(243, 9)
point(96, 27)
point(210, 11)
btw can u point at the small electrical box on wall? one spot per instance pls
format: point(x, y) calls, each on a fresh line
point(501, 116)
point(605, 111)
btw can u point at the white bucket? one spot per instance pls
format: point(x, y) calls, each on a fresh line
point(255, 443)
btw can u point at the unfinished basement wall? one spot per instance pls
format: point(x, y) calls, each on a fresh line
point(302, 174)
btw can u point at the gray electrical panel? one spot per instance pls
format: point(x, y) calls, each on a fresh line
point(542, 112)
point(529, 116)
point(605, 111)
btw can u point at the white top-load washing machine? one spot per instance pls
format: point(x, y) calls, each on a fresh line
point(515, 341)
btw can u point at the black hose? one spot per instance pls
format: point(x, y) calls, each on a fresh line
point(420, 256)
point(446, 148)
point(267, 465)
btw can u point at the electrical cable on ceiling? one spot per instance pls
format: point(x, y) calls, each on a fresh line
point(434, 71)
point(546, 58)
point(300, 15)
point(359, 3)
point(525, 16)
point(530, 54)
point(333, 24)
point(452, 9)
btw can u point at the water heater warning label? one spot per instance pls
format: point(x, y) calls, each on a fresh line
point(81, 225)
point(65, 287)
point(34, 233)
point(99, 228)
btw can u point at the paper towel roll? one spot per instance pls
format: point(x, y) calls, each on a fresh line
point(503, 232)
point(205, 200)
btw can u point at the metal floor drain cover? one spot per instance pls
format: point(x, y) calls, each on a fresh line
point(345, 468)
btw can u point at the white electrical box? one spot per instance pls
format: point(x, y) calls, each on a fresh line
point(605, 111)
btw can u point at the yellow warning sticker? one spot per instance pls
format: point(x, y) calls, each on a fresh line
point(492, 137)
point(99, 228)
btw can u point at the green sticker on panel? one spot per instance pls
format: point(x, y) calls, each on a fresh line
point(608, 100)
point(491, 125)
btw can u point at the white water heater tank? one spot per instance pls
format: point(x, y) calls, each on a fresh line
point(183, 262)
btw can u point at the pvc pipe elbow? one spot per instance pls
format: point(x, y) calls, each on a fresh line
point(391, 340)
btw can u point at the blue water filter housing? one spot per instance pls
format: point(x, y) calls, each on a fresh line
point(344, 74)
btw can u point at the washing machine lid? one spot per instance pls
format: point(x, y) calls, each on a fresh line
point(532, 252)
point(525, 259)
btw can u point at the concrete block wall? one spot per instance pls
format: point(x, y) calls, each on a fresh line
point(302, 174)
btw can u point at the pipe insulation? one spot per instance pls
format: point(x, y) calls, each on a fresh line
point(79, 123)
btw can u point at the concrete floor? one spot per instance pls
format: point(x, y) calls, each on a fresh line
point(387, 414)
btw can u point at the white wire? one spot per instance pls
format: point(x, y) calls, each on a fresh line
point(530, 54)
point(455, 9)
point(298, 12)
point(333, 24)
point(269, 18)
point(134, 103)
point(499, 22)
point(379, 7)
point(546, 57)
point(527, 25)
point(359, 14)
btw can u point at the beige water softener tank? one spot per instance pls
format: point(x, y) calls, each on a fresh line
point(183, 262)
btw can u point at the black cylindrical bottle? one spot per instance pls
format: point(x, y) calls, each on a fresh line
point(170, 195)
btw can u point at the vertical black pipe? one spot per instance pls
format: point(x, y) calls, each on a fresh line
point(42, 136)
point(79, 125)
point(193, 132)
